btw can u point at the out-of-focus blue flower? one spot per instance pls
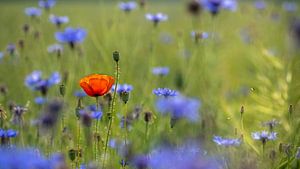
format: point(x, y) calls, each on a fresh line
point(10, 133)
point(230, 5)
point(199, 35)
point(264, 136)
point(260, 5)
point(47, 4)
point(35, 81)
point(40, 100)
point(127, 6)
point(161, 71)
point(289, 6)
point(1, 55)
point(183, 157)
point(166, 92)
point(156, 18)
point(271, 124)
point(213, 6)
point(33, 12)
point(58, 20)
point(298, 153)
point(179, 107)
point(95, 114)
point(11, 48)
point(71, 35)
point(226, 141)
point(80, 94)
point(140, 162)
point(55, 48)
point(122, 88)
point(13, 158)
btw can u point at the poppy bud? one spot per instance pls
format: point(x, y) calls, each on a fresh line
point(25, 28)
point(147, 116)
point(142, 3)
point(78, 108)
point(290, 109)
point(124, 96)
point(194, 7)
point(3, 89)
point(62, 90)
point(116, 56)
point(242, 110)
point(72, 154)
point(21, 43)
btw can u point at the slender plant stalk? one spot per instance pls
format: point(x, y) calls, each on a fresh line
point(110, 115)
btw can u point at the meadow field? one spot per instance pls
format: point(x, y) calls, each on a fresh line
point(206, 84)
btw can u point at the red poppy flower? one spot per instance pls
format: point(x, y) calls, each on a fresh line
point(96, 85)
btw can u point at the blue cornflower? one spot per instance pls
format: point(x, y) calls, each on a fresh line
point(230, 5)
point(95, 114)
point(213, 6)
point(161, 71)
point(260, 4)
point(11, 48)
point(47, 4)
point(179, 107)
point(80, 94)
point(264, 136)
point(71, 36)
point(156, 18)
point(166, 92)
point(122, 88)
point(40, 100)
point(35, 81)
point(289, 6)
point(226, 141)
point(33, 12)
point(127, 6)
point(55, 48)
point(271, 124)
point(10, 133)
point(58, 20)
point(182, 157)
point(1, 55)
point(298, 153)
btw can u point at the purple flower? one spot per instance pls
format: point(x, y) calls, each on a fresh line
point(156, 18)
point(71, 36)
point(161, 71)
point(230, 5)
point(40, 100)
point(35, 81)
point(179, 107)
point(183, 157)
point(95, 114)
point(226, 141)
point(127, 6)
point(122, 88)
point(289, 6)
point(80, 94)
point(11, 48)
point(55, 48)
point(271, 124)
point(264, 136)
point(33, 12)
point(10, 133)
point(260, 5)
point(58, 20)
point(47, 4)
point(166, 92)
point(213, 6)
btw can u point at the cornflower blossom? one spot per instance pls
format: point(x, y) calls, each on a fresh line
point(127, 6)
point(122, 88)
point(58, 20)
point(271, 124)
point(289, 6)
point(72, 36)
point(226, 141)
point(161, 71)
point(166, 92)
point(156, 18)
point(33, 12)
point(47, 4)
point(264, 136)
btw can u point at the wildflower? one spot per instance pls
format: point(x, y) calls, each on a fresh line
point(260, 4)
point(166, 92)
point(86, 118)
point(11, 48)
point(264, 136)
point(47, 4)
point(226, 141)
point(56, 48)
point(122, 88)
point(80, 94)
point(156, 18)
point(35, 81)
point(18, 112)
point(127, 6)
point(96, 84)
point(271, 124)
point(1, 55)
point(141, 162)
point(58, 20)
point(71, 36)
point(199, 35)
point(289, 6)
point(230, 5)
point(10, 133)
point(182, 157)
point(40, 100)
point(161, 71)
point(213, 6)
point(179, 107)
point(33, 12)
point(95, 113)
point(298, 153)
point(51, 114)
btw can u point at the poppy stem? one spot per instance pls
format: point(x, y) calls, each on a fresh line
point(96, 131)
point(111, 112)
